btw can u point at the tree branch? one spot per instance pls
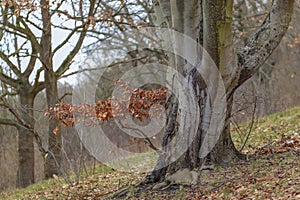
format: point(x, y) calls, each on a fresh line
point(14, 32)
point(102, 67)
point(9, 122)
point(8, 80)
point(26, 32)
point(67, 39)
point(266, 39)
point(31, 63)
point(66, 63)
point(38, 86)
point(11, 65)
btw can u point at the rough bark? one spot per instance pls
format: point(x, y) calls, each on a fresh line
point(218, 42)
point(185, 18)
point(216, 32)
point(266, 39)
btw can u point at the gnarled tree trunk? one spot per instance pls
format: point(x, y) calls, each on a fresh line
point(209, 23)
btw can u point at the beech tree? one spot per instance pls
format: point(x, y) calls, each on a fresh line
point(210, 23)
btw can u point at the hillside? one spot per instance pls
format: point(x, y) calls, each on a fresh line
point(272, 171)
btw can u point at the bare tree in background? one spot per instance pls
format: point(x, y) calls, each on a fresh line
point(15, 76)
point(26, 29)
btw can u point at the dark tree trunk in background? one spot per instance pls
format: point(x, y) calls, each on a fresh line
point(210, 24)
point(25, 175)
point(53, 158)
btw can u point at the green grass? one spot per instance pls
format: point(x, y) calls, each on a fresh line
point(274, 172)
point(104, 181)
point(268, 129)
point(141, 162)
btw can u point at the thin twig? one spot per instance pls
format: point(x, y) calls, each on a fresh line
point(102, 67)
point(146, 138)
point(251, 125)
point(238, 129)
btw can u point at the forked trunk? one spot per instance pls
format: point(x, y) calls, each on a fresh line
point(200, 22)
point(209, 23)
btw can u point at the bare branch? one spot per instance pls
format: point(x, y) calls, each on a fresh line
point(26, 32)
point(251, 125)
point(9, 122)
point(65, 94)
point(145, 137)
point(66, 63)
point(54, 11)
point(11, 65)
point(67, 39)
point(266, 39)
point(31, 63)
point(38, 86)
point(8, 80)
point(102, 67)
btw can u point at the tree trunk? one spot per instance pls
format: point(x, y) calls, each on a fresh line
point(25, 175)
point(223, 152)
point(53, 159)
point(210, 24)
point(198, 20)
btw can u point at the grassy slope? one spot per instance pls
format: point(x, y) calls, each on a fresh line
point(274, 171)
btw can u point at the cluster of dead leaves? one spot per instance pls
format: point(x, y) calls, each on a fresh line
point(19, 5)
point(136, 103)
